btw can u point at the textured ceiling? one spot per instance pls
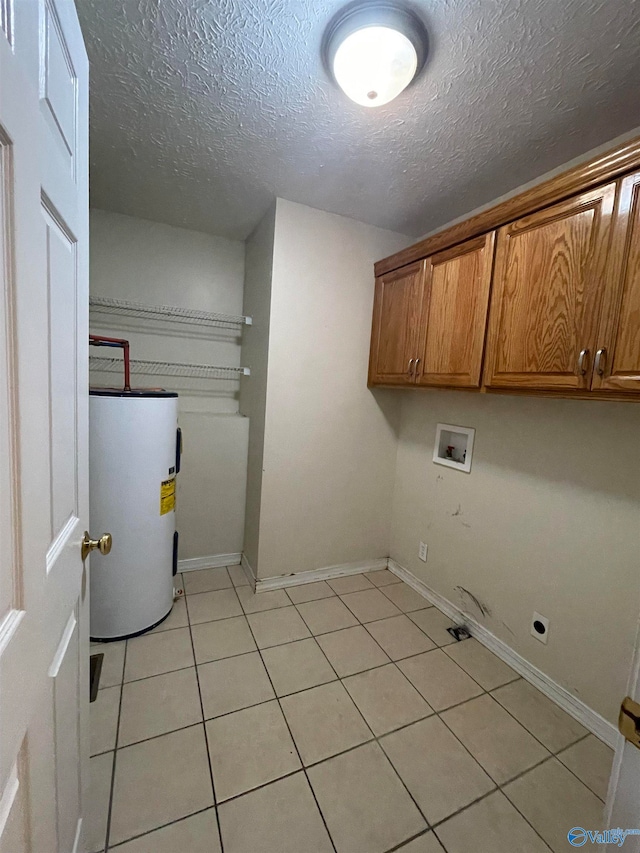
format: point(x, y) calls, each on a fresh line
point(202, 111)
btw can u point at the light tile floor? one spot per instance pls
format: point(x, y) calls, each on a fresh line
point(335, 717)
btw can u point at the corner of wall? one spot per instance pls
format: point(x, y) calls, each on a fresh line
point(259, 249)
point(330, 442)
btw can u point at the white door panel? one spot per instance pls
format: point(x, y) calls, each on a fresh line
point(5, 19)
point(7, 493)
point(62, 297)
point(58, 84)
point(65, 672)
point(13, 811)
point(43, 427)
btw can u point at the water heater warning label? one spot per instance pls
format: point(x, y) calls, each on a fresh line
point(167, 496)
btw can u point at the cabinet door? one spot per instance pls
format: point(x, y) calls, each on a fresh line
point(396, 317)
point(546, 292)
point(617, 364)
point(455, 305)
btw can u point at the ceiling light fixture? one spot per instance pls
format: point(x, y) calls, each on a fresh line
point(374, 50)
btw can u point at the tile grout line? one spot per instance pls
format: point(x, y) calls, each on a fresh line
point(393, 602)
point(158, 674)
point(162, 734)
point(536, 738)
point(498, 786)
point(312, 601)
point(338, 677)
point(263, 702)
point(204, 724)
point(121, 685)
point(293, 740)
point(205, 591)
point(405, 657)
point(349, 749)
point(314, 764)
point(375, 737)
point(486, 692)
point(553, 753)
point(377, 666)
point(438, 714)
point(115, 751)
point(341, 679)
point(153, 737)
point(355, 615)
point(566, 766)
point(372, 739)
point(398, 848)
point(161, 826)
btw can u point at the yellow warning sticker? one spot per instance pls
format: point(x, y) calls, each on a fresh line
point(167, 496)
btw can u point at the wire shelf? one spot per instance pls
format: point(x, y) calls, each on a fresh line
point(170, 313)
point(168, 368)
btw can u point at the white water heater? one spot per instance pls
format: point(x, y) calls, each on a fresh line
point(134, 457)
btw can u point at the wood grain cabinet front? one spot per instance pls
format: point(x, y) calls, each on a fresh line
point(454, 314)
point(617, 357)
point(547, 304)
point(429, 319)
point(547, 291)
point(397, 311)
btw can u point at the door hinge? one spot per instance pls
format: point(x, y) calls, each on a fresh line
point(629, 721)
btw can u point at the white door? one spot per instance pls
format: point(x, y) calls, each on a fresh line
point(43, 427)
point(623, 803)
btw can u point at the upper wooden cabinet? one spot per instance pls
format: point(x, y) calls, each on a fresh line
point(551, 275)
point(429, 319)
point(547, 288)
point(396, 319)
point(617, 359)
point(454, 315)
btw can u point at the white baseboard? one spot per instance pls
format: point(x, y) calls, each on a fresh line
point(326, 573)
point(591, 720)
point(212, 562)
point(78, 842)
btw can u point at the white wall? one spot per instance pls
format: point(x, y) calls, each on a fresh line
point(547, 520)
point(255, 354)
point(329, 442)
point(152, 263)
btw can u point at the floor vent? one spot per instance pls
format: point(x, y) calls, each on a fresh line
point(95, 668)
point(459, 632)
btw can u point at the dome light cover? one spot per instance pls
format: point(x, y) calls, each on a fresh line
point(374, 51)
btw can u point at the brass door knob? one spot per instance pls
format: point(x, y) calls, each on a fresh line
point(103, 544)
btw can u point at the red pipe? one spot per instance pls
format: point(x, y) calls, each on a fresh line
point(102, 341)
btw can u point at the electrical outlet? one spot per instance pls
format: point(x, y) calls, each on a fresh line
point(540, 628)
point(422, 552)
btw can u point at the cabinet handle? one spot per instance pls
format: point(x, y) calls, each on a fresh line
point(599, 364)
point(411, 360)
point(416, 367)
point(582, 358)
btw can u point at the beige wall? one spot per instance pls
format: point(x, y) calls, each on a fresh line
point(152, 263)
point(329, 443)
point(547, 520)
point(255, 354)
